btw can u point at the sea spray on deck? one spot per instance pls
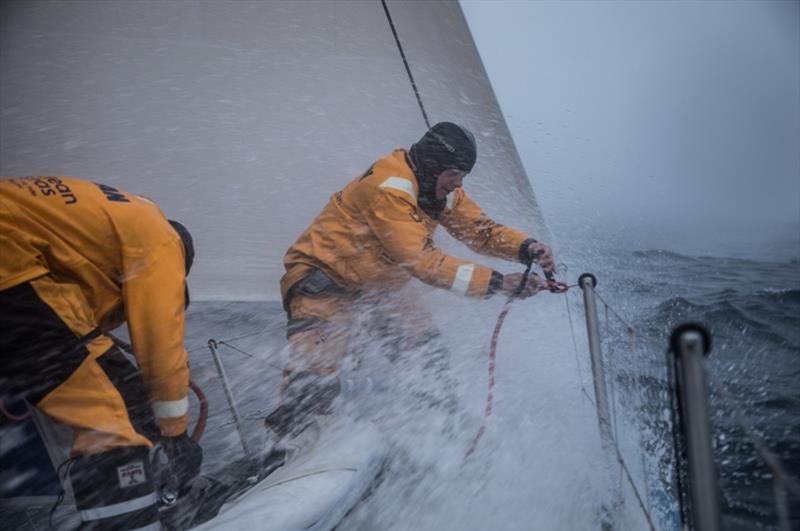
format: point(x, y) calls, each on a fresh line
point(540, 463)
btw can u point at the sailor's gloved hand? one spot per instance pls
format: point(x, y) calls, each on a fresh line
point(512, 281)
point(185, 457)
point(541, 254)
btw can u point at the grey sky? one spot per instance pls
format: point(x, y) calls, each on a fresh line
point(665, 119)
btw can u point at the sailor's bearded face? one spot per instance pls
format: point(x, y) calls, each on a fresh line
point(447, 181)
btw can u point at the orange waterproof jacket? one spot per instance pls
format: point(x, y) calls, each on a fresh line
point(374, 234)
point(122, 253)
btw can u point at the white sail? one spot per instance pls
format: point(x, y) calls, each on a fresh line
point(241, 118)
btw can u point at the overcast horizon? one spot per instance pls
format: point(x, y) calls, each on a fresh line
point(666, 123)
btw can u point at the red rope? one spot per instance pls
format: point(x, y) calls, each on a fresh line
point(200, 427)
point(492, 357)
point(12, 416)
point(550, 285)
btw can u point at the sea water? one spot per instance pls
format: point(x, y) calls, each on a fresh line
point(748, 296)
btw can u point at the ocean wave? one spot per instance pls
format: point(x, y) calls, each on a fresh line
point(680, 308)
point(724, 318)
point(664, 254)
point(789, 295)
point(716, 262)
point(751, 307)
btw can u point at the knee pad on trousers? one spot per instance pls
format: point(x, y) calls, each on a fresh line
point(115, 489)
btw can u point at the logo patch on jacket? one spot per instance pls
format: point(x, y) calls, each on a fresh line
point(131, 474)
point(112, 194)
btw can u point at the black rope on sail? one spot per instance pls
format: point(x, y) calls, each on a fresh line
point(405, 62)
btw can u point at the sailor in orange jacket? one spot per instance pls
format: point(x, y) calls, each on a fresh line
point(376, 234)
point(77, 259)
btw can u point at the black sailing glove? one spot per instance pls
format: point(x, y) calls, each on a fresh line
point(185, 457)
point(532, 251)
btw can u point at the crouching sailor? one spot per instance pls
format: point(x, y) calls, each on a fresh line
point(77, 259)
point(372, 237)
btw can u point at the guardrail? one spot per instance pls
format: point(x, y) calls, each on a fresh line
point(698, 494)
point(587, 283)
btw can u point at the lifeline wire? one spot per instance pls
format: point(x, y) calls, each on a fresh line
point(575, 347)
point(260, 331)
point(631, 329)
point(612, 385)
point(613, 364)
point(222, 342)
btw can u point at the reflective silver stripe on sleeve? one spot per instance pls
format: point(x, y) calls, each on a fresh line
point(463, 278)
point(97, 513)
point(171, 408)
point(399, 183)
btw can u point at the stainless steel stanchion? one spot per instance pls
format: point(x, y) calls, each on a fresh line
point(689, 344)
point(212, 346)
point(587, 282)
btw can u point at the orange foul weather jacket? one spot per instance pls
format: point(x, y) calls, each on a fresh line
point(374, 234)
point(99, 256)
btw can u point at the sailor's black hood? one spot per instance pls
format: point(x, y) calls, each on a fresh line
point(445, 146)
